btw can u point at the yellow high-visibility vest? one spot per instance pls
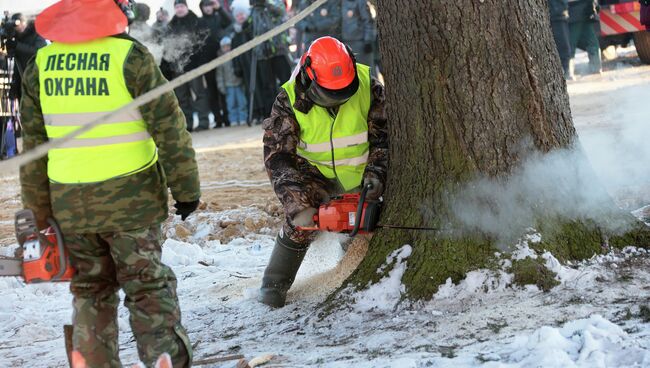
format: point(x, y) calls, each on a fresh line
point(339, 146)
point(78, 83)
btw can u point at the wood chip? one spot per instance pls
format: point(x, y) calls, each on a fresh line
point(262, 359)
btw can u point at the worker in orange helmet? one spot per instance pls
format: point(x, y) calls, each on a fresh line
point(327, 135)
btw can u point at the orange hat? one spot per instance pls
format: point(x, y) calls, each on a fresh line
point(330, 64)
point(71, 21)
point(329, 71)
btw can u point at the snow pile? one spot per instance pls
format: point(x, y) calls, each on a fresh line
point(386, 293)
point(177, 253)
point(564, 273)
point(485, 281)
point(590, 342)
point(224, 226)
point(522, 249)
point(479, 281)
point(582, 274)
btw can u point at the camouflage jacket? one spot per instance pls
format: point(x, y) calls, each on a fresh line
point(298, 184)
point(126, 203)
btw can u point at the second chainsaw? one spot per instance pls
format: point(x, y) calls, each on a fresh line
point(42, 254)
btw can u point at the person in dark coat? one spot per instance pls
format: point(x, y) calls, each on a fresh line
point(325, 21)
point(358, 30)
point(583, 21)
point(23, 45)
point(559, 12)
point(273, 60)
point(186, 29)
point(273, 66)
point(218, 21)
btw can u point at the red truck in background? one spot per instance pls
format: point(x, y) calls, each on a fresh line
point(619, 23)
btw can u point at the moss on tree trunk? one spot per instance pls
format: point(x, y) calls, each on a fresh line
point(474, 88)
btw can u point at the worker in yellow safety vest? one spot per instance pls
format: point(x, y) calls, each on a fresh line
point(108, 187)
point(326, 135)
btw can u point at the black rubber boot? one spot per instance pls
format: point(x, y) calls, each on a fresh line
point(281, 271)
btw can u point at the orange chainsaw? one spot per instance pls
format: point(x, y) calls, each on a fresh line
point(352, 214)
point(44, 257)
point(348, 213)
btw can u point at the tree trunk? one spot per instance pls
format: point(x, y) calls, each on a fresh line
point(475, 90)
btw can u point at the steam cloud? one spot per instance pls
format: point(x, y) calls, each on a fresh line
point(174, 48)
point(612, 162)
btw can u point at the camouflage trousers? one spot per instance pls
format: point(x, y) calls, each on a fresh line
point(129, 260)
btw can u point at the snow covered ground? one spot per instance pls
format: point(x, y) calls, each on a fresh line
point(599, 316)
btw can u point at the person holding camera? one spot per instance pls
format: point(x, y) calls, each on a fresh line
point(22, 44)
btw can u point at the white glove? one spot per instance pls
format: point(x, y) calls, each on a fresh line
point(305, 218)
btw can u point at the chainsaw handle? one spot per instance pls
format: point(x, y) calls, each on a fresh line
point(63, 260)
point(362, 201)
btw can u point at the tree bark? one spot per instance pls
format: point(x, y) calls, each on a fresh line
point(474, 89)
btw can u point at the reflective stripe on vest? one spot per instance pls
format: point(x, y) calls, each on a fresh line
point(79, 83)
point(342, 142)
point(92, 142)
point(338, 146)
point(81, 118)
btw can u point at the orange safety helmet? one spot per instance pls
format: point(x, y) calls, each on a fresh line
point(72, 21)
point(328, 71)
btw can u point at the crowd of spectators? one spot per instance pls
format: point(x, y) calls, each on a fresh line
point(240, 92)
point(223, 97)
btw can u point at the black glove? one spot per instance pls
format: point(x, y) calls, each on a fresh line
point(376, 190)
point(367, 48)
point(184, 209)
